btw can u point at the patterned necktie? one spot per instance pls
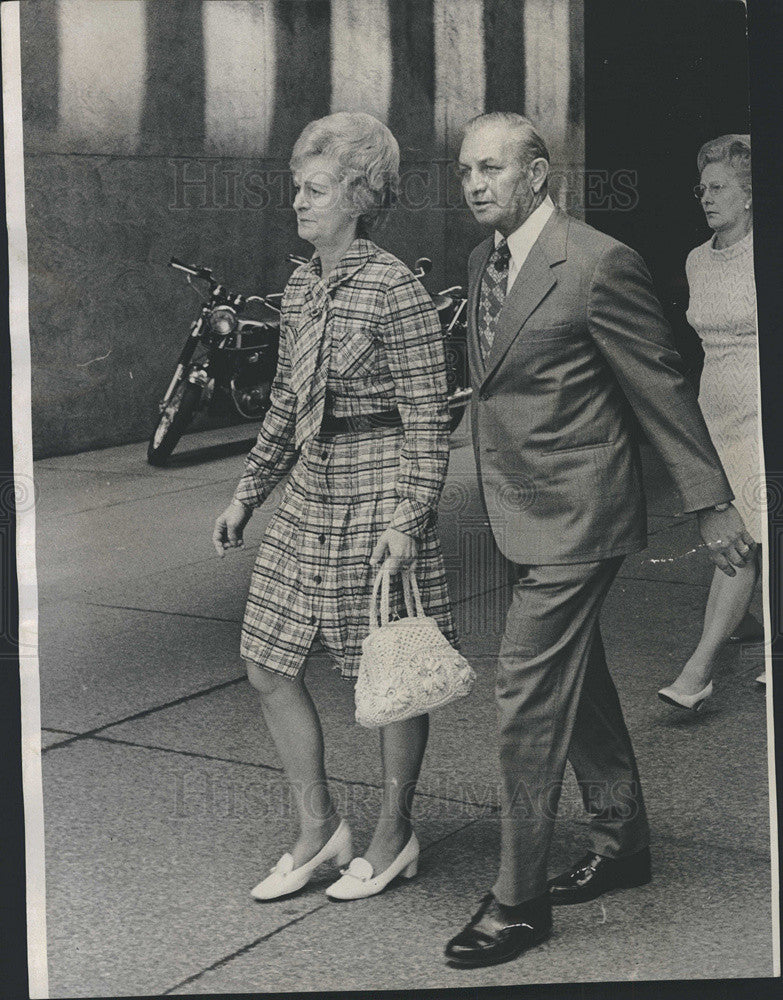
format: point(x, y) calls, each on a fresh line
point(493, 295)
point(310, 362)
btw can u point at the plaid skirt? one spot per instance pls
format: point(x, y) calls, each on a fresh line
point(312, 577)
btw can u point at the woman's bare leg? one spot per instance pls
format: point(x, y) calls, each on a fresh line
point(295, 728)
point(727, 605)
point(402, 751)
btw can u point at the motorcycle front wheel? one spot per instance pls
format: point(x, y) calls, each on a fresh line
point(173, 423)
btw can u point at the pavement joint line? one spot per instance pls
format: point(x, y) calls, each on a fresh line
point(152, 496)
point(88, 734)
point(245, 949)
point(118, 741)
point(488, 808)
point(236, 621)
point(159, 611)
point(120, 473)
point(672, 583)
point(251, 945)
point(219, 963)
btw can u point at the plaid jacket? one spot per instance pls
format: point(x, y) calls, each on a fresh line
point(386, 351)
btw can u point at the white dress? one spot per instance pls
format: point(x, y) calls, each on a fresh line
point(722, 311)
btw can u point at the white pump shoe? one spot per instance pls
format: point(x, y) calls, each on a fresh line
point(691, 702)
point(358, 882)
point(285, 879)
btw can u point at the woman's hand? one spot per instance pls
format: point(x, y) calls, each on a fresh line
point(229, 527)
point(398, 549)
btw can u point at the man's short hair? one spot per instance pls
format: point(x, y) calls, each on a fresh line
point(531, 145)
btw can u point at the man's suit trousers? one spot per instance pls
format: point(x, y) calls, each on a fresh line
point(557, 702)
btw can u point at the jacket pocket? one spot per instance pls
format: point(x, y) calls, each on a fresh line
point(548, 332)
point(356, 355)
point(591, 446)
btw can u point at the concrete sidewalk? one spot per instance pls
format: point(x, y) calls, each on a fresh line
point(164, 800)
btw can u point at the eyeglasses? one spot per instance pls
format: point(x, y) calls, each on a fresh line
point(701, 189)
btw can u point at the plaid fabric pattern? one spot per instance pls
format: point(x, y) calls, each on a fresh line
point(310, 367)
point(311, 348)
point(312, 576)
point(493, 295)
point(386, 351)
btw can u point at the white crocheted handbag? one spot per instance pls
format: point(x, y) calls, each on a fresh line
point(408, 667)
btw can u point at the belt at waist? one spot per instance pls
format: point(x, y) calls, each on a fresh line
point(363, 422)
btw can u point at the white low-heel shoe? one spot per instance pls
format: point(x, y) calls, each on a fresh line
point(691, 702)
point(358, 882)
point(285, 879)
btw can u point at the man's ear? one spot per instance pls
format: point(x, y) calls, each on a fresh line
point(539, 171)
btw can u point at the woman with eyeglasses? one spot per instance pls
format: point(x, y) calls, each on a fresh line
point(722, 311)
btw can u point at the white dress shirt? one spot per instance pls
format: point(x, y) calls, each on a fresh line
point(521, 241)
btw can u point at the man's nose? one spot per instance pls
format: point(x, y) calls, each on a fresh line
point(299, 199)
point(475, 182)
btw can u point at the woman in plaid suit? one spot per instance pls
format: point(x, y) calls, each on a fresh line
point(359, 416)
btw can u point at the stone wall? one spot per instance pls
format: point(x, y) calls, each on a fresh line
point(163, 127)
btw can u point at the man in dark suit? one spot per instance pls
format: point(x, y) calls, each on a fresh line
point(565, 336)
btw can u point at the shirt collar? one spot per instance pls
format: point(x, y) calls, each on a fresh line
point(354, 258)
point(523, 238)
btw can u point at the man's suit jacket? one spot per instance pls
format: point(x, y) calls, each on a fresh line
point(580, 339)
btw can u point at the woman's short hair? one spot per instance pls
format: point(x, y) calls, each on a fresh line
point(731, 149)
point(368, 157)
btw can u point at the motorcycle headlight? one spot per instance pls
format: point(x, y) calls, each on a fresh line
point(222, 321)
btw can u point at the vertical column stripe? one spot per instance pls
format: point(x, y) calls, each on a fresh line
point(460, 89)
point(174, 99)
point(239, 75)
point(361, 57)
point(573, 196)
point(303, 78)
point(460, 84)
point(39, 38)
point(102, 64)
point(548, 69)
point(504, 47)
point(413, 75)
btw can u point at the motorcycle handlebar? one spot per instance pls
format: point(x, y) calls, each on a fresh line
point(197, 272)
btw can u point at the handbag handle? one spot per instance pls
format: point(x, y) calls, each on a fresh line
point(410, 591)
point(409, 584)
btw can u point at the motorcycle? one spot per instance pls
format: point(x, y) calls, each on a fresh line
point(227, 359)
point(452, 305)
point(230, 359)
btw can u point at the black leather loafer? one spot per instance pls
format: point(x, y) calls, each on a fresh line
point(498, 933)
point(594, 875)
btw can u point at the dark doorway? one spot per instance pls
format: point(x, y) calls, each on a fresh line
point(661, 79)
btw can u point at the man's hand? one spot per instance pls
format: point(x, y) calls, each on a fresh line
point(726, 538)
point(398, 548)
point(229, 527)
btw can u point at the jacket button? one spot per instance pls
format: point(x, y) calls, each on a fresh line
point(312, 619)
point(322, 539)
point(317, 578)
point(324, 455)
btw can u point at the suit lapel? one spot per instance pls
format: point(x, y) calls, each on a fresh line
point(532, 284)
point(475, 360)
